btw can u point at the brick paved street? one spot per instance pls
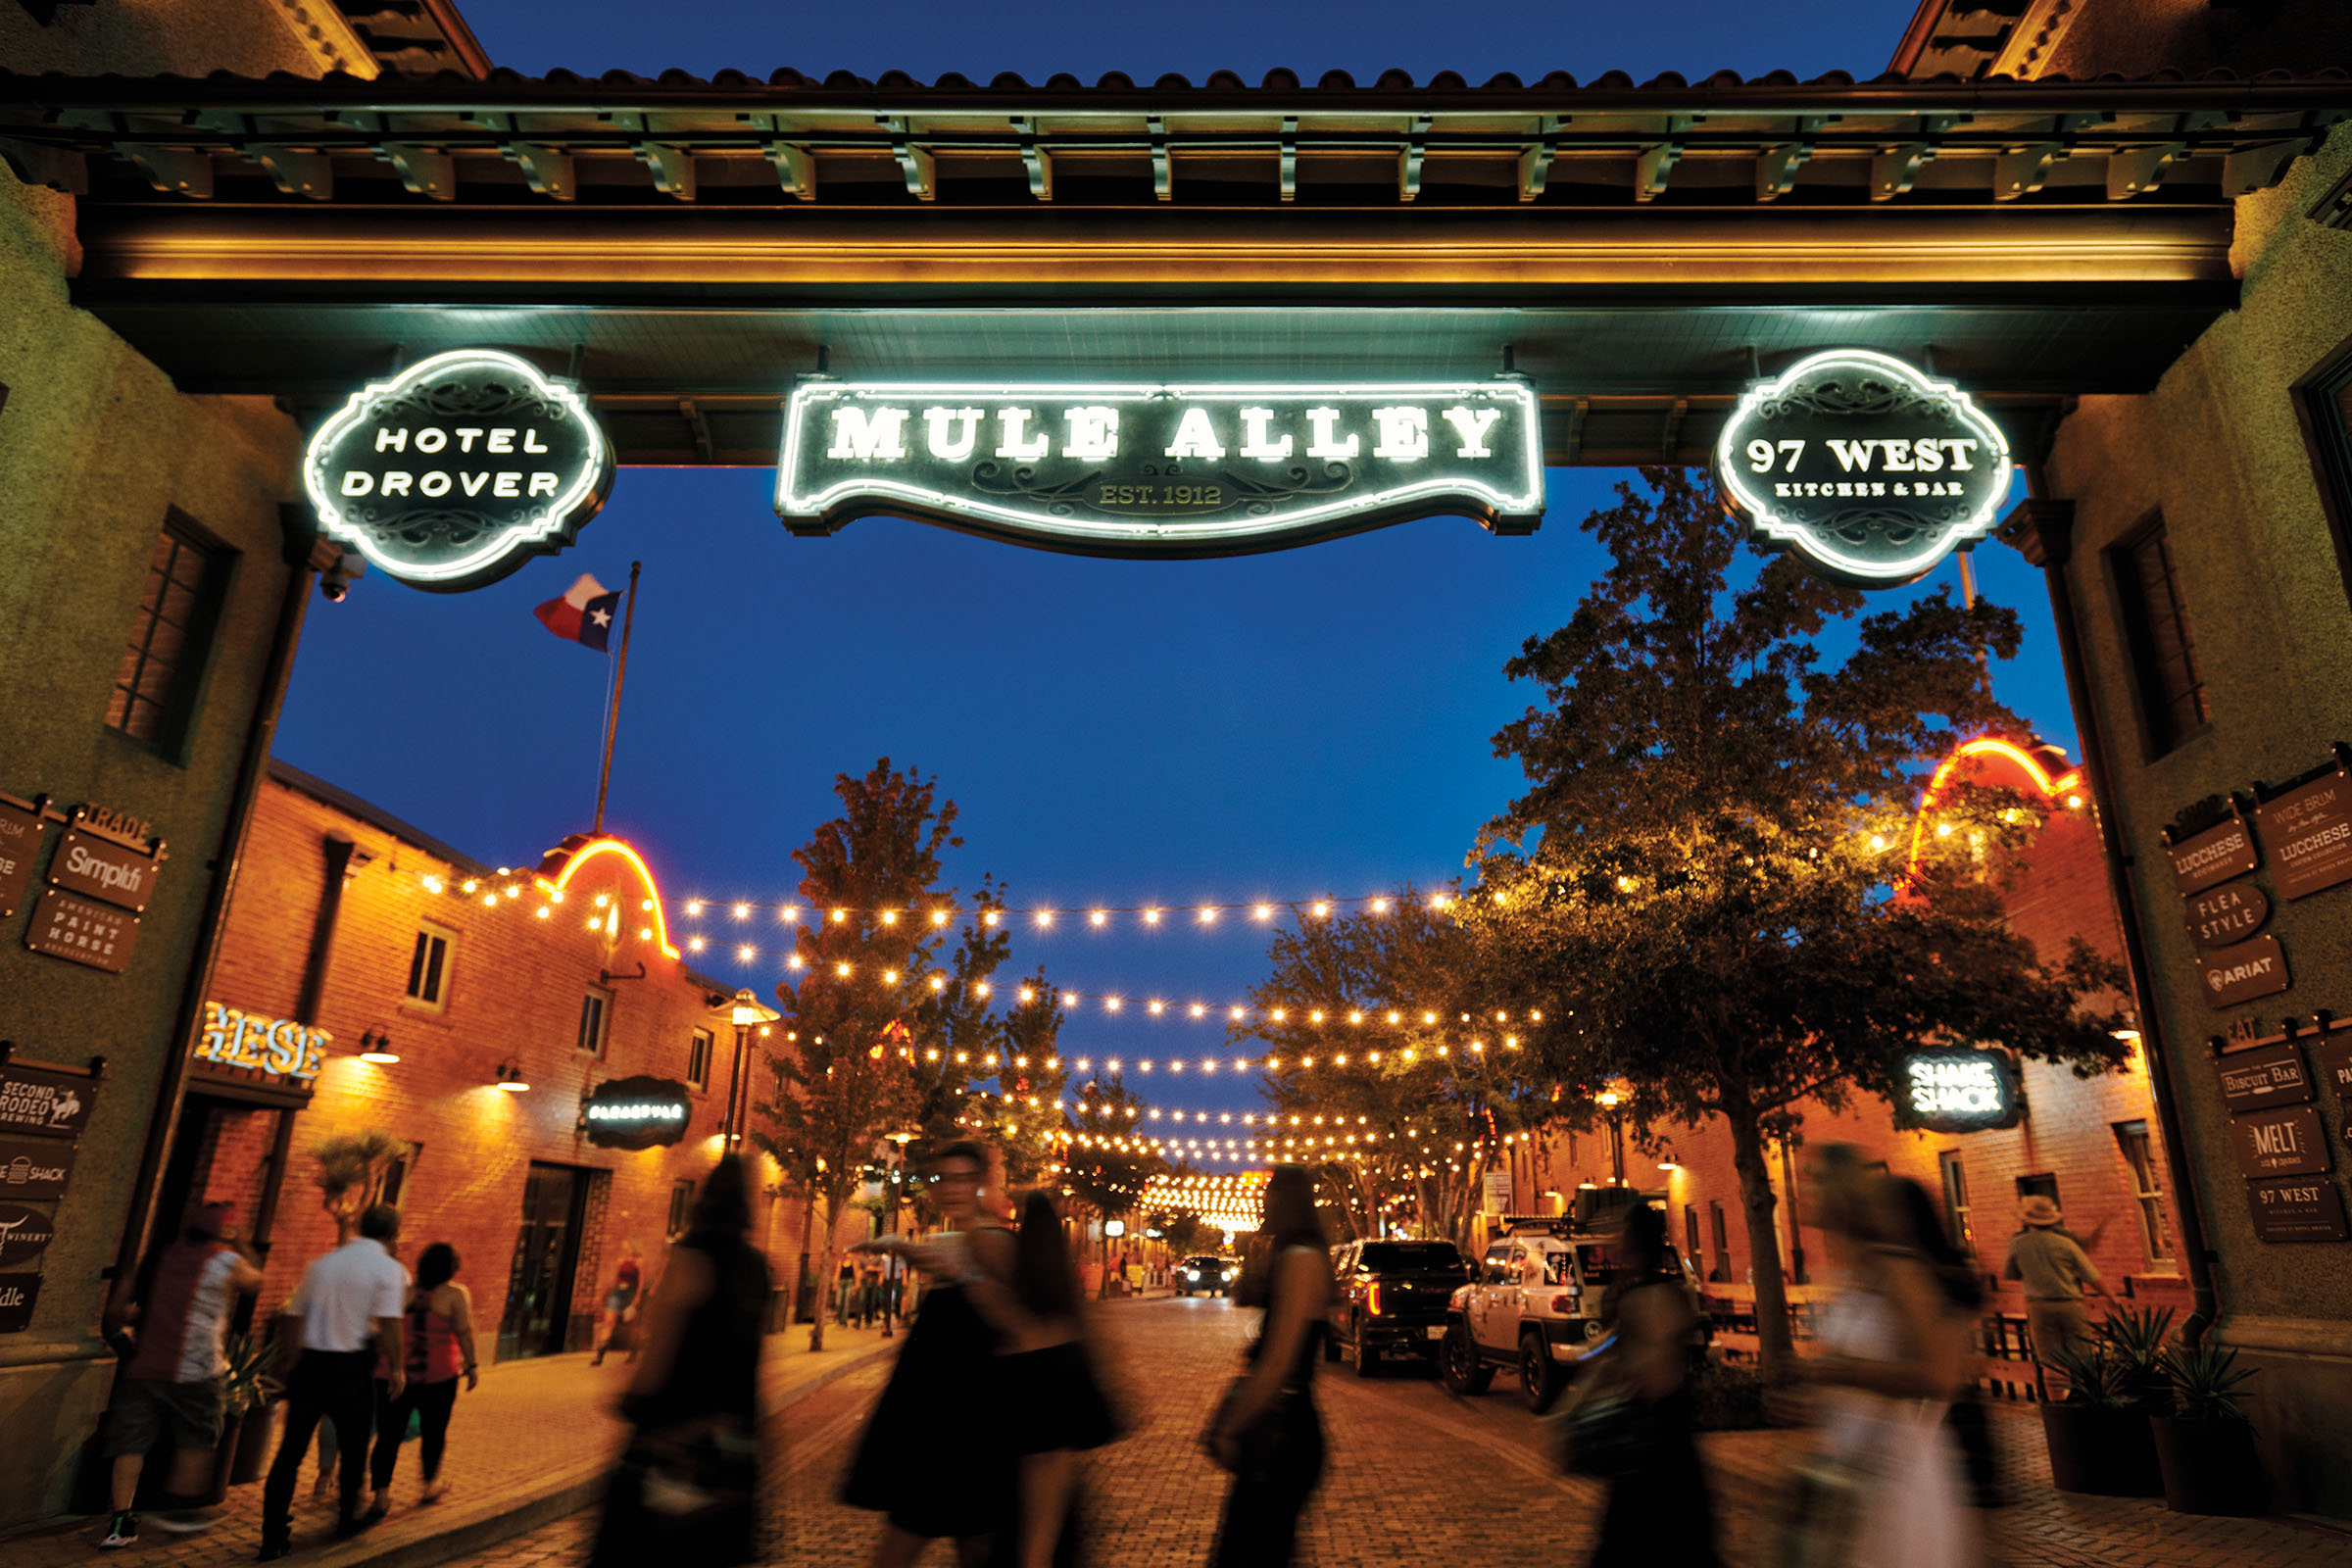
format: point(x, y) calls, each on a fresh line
point(534, 1439)
point(1419, 1479)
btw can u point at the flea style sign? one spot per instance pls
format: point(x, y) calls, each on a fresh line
point(636, 1112)
point(1144, 470)
point(1959, 1090)
point(1868, 469)
point(459, 470)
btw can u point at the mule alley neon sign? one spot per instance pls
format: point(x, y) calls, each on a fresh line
point(1140, 470)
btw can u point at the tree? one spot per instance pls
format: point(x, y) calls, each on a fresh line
point(1027, 1116)
point(1707, 871)
point(351, 1173)
point(1105, 1162)
point(1415, 1106)
point(867, 954)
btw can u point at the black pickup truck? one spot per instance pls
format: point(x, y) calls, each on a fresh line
point(1391, 1299)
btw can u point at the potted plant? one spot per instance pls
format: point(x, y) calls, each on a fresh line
point(2077, 1428)
point(2135, 1343)
point(2204, 1444)
point(248, 1397)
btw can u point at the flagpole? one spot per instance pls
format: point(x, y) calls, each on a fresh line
point(621, 673)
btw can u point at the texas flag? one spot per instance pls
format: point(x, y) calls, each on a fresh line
point(584, 614)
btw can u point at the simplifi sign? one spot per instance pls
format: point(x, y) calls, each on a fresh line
point(1959, 1090)
point(1865, 467)
point(1154, 469)
point(459, 470)
point(636, 1112)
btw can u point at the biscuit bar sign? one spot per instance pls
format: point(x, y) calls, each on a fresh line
point(1156, 469)
point(459, 470)
point(1868, 470)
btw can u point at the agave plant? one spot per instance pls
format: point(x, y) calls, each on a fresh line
point(2136, 1342)
point(2094, 1377)
point(248, 1385)
point(2205, 1383)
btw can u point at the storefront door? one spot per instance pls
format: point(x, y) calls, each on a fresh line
point(547, 1252)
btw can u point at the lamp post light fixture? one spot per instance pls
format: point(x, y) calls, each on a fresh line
point(1610, 1102)
point(510, 1077)
point(376, 1046)
point(749, 1013)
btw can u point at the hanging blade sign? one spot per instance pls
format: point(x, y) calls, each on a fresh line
point(459, 470)
point(1868, 469)
point(1150, 469)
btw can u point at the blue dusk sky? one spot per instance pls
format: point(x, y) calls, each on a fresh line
point(1312, 722)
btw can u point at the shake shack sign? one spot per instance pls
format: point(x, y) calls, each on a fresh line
point(1866, 468)
point(459, 470)
point(1142, 469)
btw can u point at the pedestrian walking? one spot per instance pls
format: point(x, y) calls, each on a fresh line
point(1659, 1512)
point(917, 1464)
point(619, 1326)
point(686, 1490)
point(348, 1307)
point(176, 1309)
point(2055, 1272)
point(1267, 1432)
point(845, 1293)
point(1055, 1405)
point(439, 1346)
point(870, 1290)
point(1971, 1427)
point(1883, 1485)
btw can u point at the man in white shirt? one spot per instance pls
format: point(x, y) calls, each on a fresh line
point(348, 1308)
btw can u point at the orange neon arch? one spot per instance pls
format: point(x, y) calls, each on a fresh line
point(2065, 785)
point(579, 851)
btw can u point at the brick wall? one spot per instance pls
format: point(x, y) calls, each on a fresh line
point(2068, 1133)
point(513, 992)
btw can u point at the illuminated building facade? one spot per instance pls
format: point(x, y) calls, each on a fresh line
point(2125, 227)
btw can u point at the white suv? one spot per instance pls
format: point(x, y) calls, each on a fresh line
point(1533, 1305)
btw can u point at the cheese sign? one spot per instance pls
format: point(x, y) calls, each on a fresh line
point(280, 1046)
point(1868, 471)
point(1148, 468)
point(459, 470)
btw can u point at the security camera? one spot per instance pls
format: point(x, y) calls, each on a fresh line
point(338, 579)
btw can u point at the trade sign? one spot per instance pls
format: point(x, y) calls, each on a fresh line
point(25, 1231)
point(35, 1167)
point(1959, 1090)
point(2251, 969)
point(1153, 469)
point(17, 1293)
point(2280, 1143)
point(1867, 469)
point(2297, 1211)
point(636, 1112)
point(2266, 1075)
point(20, 836)
point(281, 1046)
point(2308, 834)
point(459, 470)
point(45, 1100)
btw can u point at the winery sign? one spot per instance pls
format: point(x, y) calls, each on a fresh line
point(1146, 468)
point(459, 470)
point(1868, 470)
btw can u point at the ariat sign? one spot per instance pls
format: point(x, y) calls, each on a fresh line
point(1144, 470)
point(459, 470)
point(1959, 1090)
point(1868, 469)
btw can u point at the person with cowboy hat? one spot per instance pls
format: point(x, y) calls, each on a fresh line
point(2055, 1270)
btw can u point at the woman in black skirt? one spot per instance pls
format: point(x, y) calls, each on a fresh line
point(916, 1464)
point(1660, 1514)
point(1055, 1407)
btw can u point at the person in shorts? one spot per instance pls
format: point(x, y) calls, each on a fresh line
point(177, 1308)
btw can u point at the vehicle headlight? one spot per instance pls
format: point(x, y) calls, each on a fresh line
point(1192, 1273)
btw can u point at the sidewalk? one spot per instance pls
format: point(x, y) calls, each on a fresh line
point(532, 1444)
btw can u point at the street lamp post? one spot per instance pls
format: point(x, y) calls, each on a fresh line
point(1610, 1101)
point(749, 1013)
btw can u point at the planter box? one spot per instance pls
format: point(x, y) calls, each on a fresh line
point(252, 1444)
point(2108, 1451)
point(2210, 1466)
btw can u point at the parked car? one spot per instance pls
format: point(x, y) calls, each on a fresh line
point(1534, 1305)
point(1391, 1299)
point(1206, 1275)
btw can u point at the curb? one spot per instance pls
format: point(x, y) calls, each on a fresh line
point(577, 1488)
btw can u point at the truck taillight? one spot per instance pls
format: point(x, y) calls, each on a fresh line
point(1565, 1305)
point(1372, 1299)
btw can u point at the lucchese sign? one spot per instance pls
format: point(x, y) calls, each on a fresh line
point(459, 470)
point(1159, 470)
point(1869, 470)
